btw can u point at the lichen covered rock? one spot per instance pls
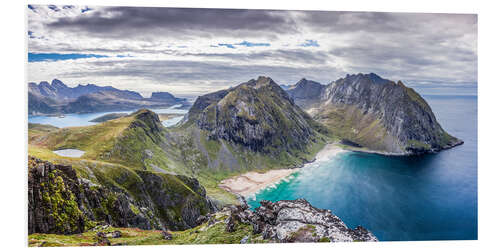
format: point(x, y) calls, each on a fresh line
point(295, 221)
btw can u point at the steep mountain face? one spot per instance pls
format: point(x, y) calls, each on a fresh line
point(257, 114)
point(64, 201)
point(56, 97)
point(305, 92)
point(38, 104)
point(376, 113)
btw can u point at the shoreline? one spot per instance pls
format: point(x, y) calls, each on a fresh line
point(251, 182)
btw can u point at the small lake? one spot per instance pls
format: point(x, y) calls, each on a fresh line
point(76, 153)
point(74, 120)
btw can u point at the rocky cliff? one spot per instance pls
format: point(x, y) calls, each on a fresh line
point(375, 113)
point(61, 200)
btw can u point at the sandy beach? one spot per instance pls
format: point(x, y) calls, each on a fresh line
point(251, 182)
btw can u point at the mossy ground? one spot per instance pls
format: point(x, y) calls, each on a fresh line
point(201, 234)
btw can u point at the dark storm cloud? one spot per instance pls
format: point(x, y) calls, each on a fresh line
point(139, 21)
point(335, 21)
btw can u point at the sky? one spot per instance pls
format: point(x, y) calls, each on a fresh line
point(191, 52)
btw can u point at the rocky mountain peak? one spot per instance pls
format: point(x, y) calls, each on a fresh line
point(304, 90)
point(262, 81)
point(361, 78)
point(257, 114)
point(376, 113)
point(58, 84)
point(44, 84)
point(146, 119)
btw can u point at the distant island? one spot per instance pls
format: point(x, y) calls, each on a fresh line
point(108, 117)
point(58, 98)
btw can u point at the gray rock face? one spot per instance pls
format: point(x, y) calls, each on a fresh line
point(257, 114)
point(296, 221)
point(305, 92)
point(403, 120)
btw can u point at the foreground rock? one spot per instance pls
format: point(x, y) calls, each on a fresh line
point(61, 202)
point(294, 221)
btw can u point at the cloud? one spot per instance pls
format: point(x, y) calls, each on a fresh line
point(192, 51)
point(147, 21)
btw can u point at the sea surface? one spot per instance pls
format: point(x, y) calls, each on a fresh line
point(430, 197)
point(73, 120)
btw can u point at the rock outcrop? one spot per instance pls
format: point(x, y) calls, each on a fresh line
point(61, 202)
point(376, 113)
point(294, 221)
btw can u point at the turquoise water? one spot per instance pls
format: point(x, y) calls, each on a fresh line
point(431, 197)
point(73, 120)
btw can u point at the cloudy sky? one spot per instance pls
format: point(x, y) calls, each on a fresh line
point(194, 51)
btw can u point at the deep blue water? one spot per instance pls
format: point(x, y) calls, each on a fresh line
point(73, 120)
point(430, 197)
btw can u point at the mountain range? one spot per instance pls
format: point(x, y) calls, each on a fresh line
point(137, 173)
point(57, 98)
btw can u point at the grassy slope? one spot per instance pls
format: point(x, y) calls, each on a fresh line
point(94, 140)
point(176, 150)
point(348, 122)
point(113, 143)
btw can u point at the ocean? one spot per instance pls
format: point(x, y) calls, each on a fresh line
point(84, 119)
point(429, 197)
